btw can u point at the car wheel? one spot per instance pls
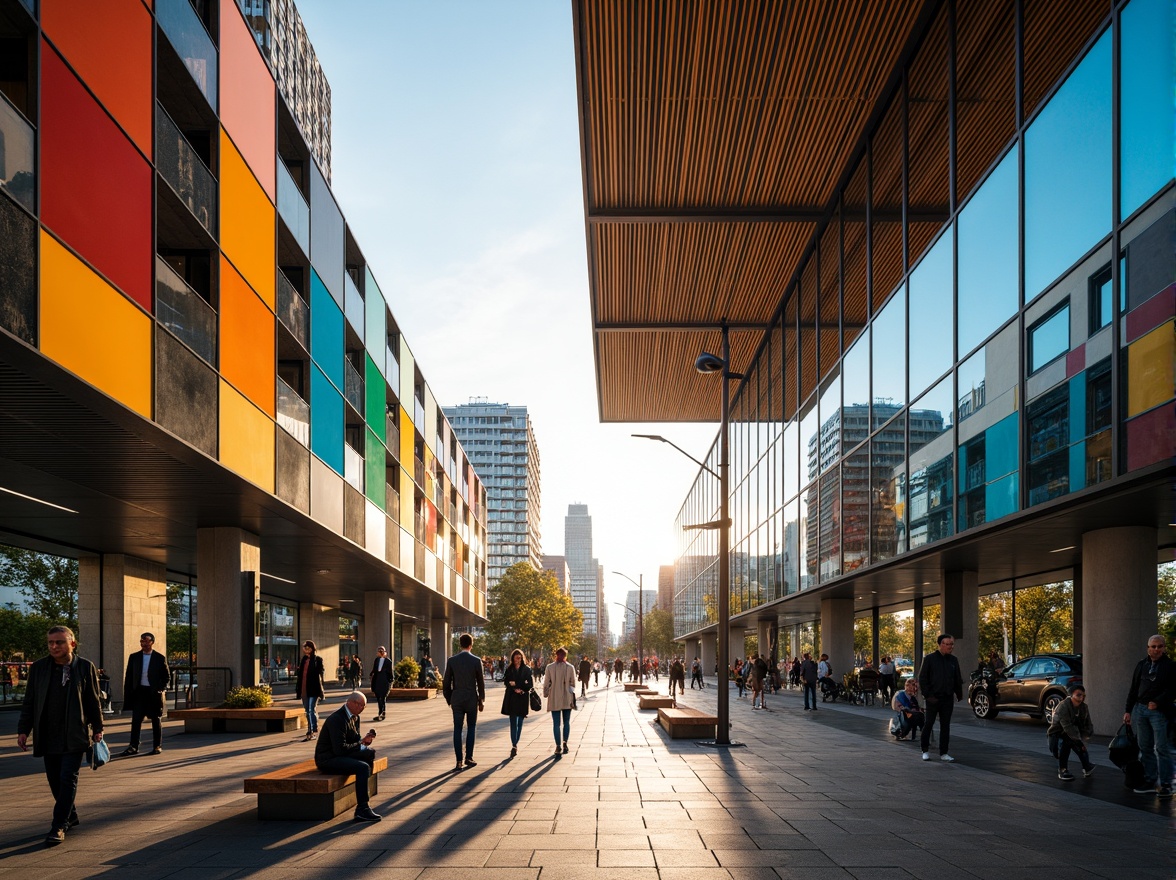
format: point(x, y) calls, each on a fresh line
point(982, 705)
point(1050, 706)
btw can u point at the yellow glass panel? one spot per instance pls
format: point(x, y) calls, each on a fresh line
point(1151, 369)
point(246, 223)
point(406, 441)
point(246, 438)
point(246, 340)
point(93, 330)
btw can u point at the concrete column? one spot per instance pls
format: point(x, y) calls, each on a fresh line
point(320, 624)
point(710, 647)
point(917, 623)
point(228, 566)
point(378, 606)
point(1077, 609)
point(119, 599)
point(735, 642)
point(763, 634)
point(837, 634)
point(1118, 615)
point(874, 624)
point(960, 615)
point(439, 649)
point(407, 640)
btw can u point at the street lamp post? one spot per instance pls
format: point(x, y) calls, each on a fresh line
point(639, 584)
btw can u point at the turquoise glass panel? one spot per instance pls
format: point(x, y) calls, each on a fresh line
point(376, 316)
point(890, 345)
point(326, 420)
point(1068, 172)
point(326, 331)
point(987, 283)
point(1078, 407)
point(931, 296)
point(1000, 498)
point(1078, 466)
point(1001, 457)
point(1147, 143)
point(375, 471)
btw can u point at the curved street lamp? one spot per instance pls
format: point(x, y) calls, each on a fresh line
point(640, 612)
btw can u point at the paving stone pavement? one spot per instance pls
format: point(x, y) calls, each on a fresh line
point(817, 796)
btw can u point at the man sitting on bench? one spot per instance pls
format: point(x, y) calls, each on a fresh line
point(340, 750)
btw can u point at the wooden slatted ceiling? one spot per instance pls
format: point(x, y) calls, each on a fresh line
point(715, 107)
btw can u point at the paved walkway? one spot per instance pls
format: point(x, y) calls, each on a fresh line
point(816, 796)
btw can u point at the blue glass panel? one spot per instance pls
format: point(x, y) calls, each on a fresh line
point(1049, 339)
point(790, 464)
point(855, 372)
point(831, 448)
point(930, 313)
point(1001, 456)
point(889, 355)
point(292, 208)
point(1147, 144)
point(1000, 498)
point(326, 421)
point(987, 279)
point(1068, 172)
point(186, 32)
point(326, 331)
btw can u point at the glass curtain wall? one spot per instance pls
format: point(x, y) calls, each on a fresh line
point(863, 430)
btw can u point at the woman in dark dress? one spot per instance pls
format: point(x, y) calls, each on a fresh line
point(310, 685)
point(517, 682)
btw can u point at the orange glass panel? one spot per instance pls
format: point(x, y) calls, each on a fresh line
point(246, 438)
point(246, 339)
point(108, 44)
point(247, 223)
point(93, 330)
point(247, 108)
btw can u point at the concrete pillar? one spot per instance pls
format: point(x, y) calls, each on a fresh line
point(960, 615)
point(736, 643)
point(320, 624)
point(917, 623)
point(875, 620)
point(837, 634)
point(119, 599)
point(710, 647)
point(439, 647)
point(228, 567)
point(1119, 614)
point(378, 607)
point(763, 634)
point(1077, 609)
point(407, 640)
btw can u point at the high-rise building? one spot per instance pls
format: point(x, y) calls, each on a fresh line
point(585, 570)
point(558, 566)
point(665, 588)
point(500, 442)
point(646, 600)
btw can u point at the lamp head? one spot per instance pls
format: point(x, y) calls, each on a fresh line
point(708, 363)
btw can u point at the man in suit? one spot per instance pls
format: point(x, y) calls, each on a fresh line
point(144, 690)
point(341, 750)
point(381, 680)
point(464, 689)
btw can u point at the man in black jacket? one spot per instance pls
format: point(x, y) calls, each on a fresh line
point(61, 706)
point(940, 681)
point(381, 680)
point(144, 692)
point(1149, 712)
point(341, 750)
point(464, 689)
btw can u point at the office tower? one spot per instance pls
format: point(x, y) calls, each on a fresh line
point(585, 570)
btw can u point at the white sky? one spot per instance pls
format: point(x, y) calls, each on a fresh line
point(456, 161)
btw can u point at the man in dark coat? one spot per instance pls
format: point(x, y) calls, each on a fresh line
point(942, 686)
point(1150, 709)
point(144, 693)
point(381, 680)
point(341, 750)
point(464, 689)
point(585, 674)
point(61, 706)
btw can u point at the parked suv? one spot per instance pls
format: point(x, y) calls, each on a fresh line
point(1035, 686)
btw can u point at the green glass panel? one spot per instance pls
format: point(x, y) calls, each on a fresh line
point(375, 403)
point(375, 470)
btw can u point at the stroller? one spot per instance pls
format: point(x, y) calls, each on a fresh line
point(831, 690)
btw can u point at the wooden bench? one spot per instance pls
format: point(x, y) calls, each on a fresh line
point(656, 701)
point(645, 692)
point(634, 685)
point(687, 723)
point(271, 720)
point(302, 791)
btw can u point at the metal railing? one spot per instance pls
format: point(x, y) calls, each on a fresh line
point(353, 304)
point(184, 312)
point(184, 170)
point(293, 311)
point(353, 467)
point(293, 413)
point(188, 36)
point(353, 386)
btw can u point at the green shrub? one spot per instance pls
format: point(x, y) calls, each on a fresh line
point(406, 673)
point(248, 698)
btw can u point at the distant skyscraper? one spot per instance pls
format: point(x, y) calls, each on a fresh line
point(665, 588)
point(634, 599)
point(558, 566)
point(500, 443)
point(585, 571)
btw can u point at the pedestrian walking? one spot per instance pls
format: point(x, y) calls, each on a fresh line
point(310, 686)
point(63, 713)
point(381, 681)
point(144, 693)
point(942, 686)
point(464, 689)
point(808, 677)
point(696, 674)
point(559, 692)
point(1149, 711)
point(516, 699)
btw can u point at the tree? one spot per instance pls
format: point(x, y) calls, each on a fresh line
point(22, 636)
point(1166, 603)
point(658, 638)
point(586, 645)
point(1045, 618)
point(50, 583)
point(528, 611)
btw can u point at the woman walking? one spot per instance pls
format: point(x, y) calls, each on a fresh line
point(310, 685)
point(516, 701)
point(559, 690)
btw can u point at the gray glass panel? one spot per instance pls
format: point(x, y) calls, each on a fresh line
point(292, 208)
point(1068, 172)
point(930, 464)
point(790, 459)
point(293, 311)
point(18, 272)
point(888, 499)
point(809, 442)
point(326, 237)
point(987, 293)
point(184, 170)
point(353, 385)
point(855, 509)
point(1147, 144)
point(184, 312)
point(986, 383)
point(353, 305)
point(931, 313)
point(293, 413)
point(185, 393)
point(186, 32)
point(889, 350)
point(17, 173)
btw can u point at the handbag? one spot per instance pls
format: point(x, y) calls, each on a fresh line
point(536, 702)
point(99, 754)
point(1123, 747)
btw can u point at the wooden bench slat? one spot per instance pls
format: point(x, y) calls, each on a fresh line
point(304, 778)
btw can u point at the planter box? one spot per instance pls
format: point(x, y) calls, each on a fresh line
point(403, 694)
point(239, 720)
